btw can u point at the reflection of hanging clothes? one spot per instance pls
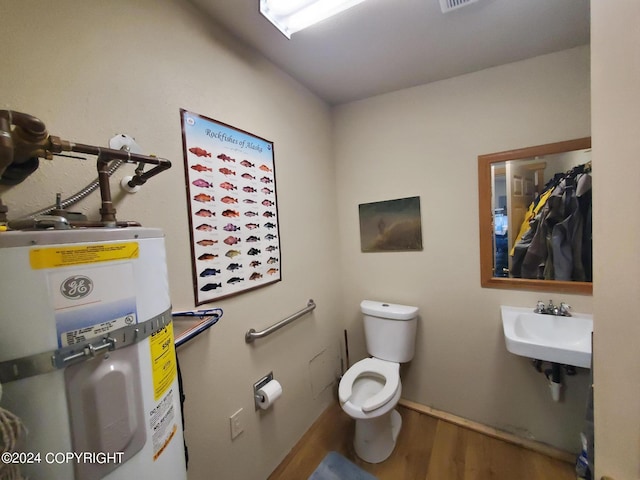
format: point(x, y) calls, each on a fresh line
point(532, 211)
point(567, 235)
point(529, 228)
point(557, 243)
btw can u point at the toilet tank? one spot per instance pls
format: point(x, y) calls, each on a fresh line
point(390, 330)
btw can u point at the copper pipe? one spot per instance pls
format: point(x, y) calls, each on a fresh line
point(3, 212)
point(6, 142)
point(64, 145)
point(22, 145)
point(107, 210)
point(29, 141)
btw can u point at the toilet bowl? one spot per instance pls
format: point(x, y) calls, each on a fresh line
point(369, 392)
point(370, 389)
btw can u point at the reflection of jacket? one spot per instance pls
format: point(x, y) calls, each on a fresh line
point(559, 245)
point(567, 235)
point(536, 254)
point(532, 211)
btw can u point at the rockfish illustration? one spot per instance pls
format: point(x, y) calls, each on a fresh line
point(207, 256)
point(232, 253)
point(201, 168)
point(255, 276)
point(230, 227)
point(264, 168)
point(231, 240)
point(203, 197)
point(208, 272)
point(211, 286)
point(226, 158)
point(230, 213)
point(228, 186)
point(205, 227)
point(207, 242)
point(226, 171)
point(246, 163)
point(200, 152)
point(202, 183)
point(203, 212)
point(228, 199)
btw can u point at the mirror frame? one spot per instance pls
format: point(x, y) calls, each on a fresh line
point(486, 221)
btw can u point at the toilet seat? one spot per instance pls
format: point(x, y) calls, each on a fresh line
point(388, 371)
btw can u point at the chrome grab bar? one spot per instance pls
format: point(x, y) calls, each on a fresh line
point(251, 335)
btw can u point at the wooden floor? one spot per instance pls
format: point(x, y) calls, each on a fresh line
point(428, 448)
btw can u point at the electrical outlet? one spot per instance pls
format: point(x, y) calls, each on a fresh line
point(236, 424)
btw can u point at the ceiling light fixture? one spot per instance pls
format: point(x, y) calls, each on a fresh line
point(290, 16)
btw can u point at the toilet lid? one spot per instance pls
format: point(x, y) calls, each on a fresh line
point(390, 371)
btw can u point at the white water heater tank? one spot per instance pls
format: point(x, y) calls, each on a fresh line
point(87, 355)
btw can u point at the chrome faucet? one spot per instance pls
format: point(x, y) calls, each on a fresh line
point(562, 310)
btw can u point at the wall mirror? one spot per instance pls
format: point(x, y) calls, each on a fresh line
point(535, 218)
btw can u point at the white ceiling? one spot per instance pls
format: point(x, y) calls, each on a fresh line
point(384, 45)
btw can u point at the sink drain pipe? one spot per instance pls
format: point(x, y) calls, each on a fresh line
point(554, 375)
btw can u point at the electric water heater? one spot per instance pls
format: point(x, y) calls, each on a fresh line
point(87, 355)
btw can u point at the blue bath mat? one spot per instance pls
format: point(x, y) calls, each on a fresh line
point(335, 467)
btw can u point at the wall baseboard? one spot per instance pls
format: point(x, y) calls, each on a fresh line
point(539, 447)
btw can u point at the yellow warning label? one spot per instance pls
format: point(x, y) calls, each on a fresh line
point(52, 257)
point(163, 360)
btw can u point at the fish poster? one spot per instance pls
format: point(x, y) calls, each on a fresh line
point(233, 215)
point(391, 225)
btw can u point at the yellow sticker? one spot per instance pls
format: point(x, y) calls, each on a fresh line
point(163, 360)
point(64, 256)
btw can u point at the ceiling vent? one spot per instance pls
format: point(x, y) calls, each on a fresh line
point(449, 5)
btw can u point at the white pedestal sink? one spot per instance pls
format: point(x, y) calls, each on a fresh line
point(564, 340)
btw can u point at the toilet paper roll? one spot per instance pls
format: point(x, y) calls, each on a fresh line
point(269, 394)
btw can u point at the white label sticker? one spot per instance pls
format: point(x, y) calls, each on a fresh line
point(90, 301)
point(162, 423)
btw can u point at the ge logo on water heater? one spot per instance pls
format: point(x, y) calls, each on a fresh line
point(76, 287)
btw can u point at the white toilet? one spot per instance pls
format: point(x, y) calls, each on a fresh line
point(370, 389)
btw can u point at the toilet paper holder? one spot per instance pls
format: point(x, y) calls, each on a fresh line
point(257, 386)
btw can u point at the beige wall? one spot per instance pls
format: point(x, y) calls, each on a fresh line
point(424, 141)
point(615, 71)
point(94, 69)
